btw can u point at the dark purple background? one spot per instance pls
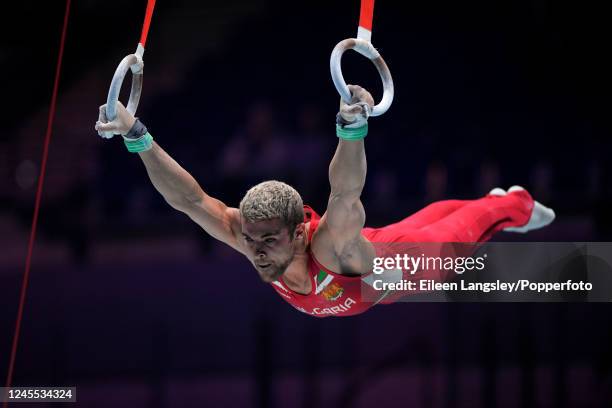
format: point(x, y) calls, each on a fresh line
point(137, 307)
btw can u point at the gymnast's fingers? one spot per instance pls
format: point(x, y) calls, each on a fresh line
point(106, 127)
point(359, 94)
point(102, 115)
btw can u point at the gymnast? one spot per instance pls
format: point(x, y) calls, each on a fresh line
point(317, 263)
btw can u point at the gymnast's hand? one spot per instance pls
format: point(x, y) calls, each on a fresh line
point(357, 112)
point(120, 126)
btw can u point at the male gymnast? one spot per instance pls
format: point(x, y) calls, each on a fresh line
point(317, 263)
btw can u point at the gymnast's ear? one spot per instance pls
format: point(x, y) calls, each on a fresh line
point(300, 230)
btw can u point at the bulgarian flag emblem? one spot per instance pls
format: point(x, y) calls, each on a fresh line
point(325, 287)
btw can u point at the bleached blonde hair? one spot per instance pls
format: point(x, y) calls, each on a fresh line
point(273, 199)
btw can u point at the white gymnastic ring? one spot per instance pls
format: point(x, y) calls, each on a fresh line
point(366, 49)
point(134, 63)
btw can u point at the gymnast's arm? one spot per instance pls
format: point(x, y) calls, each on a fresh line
point(183, 193)
point(178, 187)
point(345, 216)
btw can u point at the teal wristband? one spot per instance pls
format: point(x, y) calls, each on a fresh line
point(142, 144)
point(352, 133)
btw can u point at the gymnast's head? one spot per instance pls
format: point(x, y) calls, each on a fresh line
point(272, 219)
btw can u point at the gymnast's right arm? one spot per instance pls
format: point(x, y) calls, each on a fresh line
point(175, 184)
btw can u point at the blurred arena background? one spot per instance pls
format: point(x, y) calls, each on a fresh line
point(137, 307)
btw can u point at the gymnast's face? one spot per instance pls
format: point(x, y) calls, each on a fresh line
point(270, 247)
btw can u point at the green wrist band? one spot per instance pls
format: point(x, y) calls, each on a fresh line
point(142, 144)
point(351, 133)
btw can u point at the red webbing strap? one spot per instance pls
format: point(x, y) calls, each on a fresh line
point(367, 14)
point(147, 22)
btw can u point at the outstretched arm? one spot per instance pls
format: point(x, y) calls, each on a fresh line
point(183, 193)
point(340, 227)
point(345, 215)
point(178, 187)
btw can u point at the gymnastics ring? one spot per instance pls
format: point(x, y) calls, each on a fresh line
point(366, 49)
point(134, 63)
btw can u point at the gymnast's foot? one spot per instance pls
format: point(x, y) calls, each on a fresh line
point(541, 216)
point(498, 192)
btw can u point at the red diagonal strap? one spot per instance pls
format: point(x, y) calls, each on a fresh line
point(39, 189)
point(367, 14)
point(147, 22)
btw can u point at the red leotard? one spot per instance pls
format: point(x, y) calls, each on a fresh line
point(334, 294)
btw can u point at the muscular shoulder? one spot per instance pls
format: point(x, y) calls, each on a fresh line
point(232, 220)
point(353, 256)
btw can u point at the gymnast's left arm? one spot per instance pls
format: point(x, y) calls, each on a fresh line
point(345, 216)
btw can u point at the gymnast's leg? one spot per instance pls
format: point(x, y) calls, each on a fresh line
point(436, 211)
point(479, 219)
point(430, 214)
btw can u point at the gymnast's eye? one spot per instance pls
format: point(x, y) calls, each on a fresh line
point(248, 239)
point(270, 240)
